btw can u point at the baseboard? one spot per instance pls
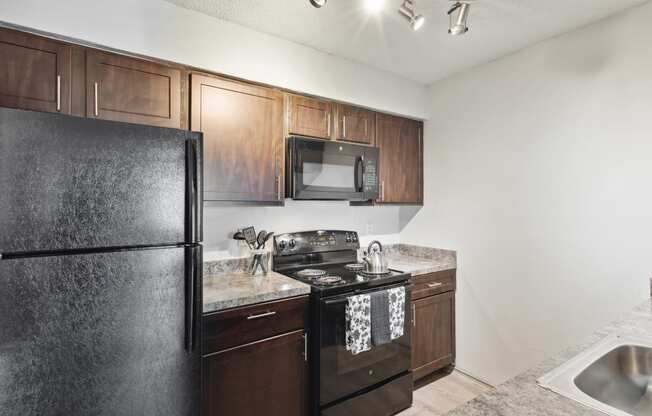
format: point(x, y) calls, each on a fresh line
point(478, 379)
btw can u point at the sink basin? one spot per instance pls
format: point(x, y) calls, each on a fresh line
point(614, 377)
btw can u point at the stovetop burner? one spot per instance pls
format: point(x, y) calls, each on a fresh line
point(356, 266)
point(311, 273)
point(329, 280)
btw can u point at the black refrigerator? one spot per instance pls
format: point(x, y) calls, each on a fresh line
point(100, 267)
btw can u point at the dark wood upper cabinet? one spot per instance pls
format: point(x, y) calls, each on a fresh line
point(268, 377)
point(355, 124)
point(120, 88)
point(243, 139)
point(401, 160)
point(34, 73)
point(310, 117)
point(433, 337)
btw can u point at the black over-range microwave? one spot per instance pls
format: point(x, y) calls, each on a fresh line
point(327, 170)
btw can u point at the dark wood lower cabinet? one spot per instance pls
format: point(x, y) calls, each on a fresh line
point(268, 377)
point(433, 335)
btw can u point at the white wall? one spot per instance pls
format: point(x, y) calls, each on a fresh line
point(539, 171)
point(159, 29)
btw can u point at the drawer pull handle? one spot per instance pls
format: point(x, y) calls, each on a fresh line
point(434, 285)
point(261, 315)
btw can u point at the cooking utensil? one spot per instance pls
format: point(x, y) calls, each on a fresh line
point(261, 239)
point(249, 234)
point(269, 235)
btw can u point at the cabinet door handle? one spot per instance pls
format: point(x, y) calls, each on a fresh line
point(58, 92)
point(329, 124)
point(261, 315)
point(344, 127)
point(382, 191)
point(414, 315)
point(434, 285)
point(97, 113)
point(305, 347)
point(278, 187)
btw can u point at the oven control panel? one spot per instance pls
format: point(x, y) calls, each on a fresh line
point(315, 241)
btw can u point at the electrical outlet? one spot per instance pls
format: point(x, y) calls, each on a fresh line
point(369, 229)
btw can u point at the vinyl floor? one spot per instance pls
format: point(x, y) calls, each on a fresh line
point(443, 394)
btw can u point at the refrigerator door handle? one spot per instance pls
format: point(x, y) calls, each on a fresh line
point(193, 294)
point(193, 191)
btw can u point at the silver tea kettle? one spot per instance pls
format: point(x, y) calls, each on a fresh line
point(375, 260)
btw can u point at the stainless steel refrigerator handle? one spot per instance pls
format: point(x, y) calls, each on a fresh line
point(58, 92)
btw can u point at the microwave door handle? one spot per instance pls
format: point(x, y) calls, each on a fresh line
point(359, 174)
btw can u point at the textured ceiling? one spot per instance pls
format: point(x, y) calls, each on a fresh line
point(384, 40)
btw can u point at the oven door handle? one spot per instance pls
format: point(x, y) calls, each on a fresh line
point(359, 174)
point(344, 298)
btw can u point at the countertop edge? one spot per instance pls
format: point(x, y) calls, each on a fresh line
point(212, 307)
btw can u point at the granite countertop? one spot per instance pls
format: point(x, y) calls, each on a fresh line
point(419, 265)
point(421, 260)
point(522, 396)
point(226, 285)
point(233, 289)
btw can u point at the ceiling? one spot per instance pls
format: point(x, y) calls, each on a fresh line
point(385, 41)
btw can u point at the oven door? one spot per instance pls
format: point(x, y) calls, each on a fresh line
point(329, 170)
point(341, 372)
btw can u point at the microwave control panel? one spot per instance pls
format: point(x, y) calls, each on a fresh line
point(370, 176)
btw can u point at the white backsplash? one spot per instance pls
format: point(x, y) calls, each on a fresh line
point(378, 222)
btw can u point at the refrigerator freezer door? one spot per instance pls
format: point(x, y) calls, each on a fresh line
point(100, 334)
point(71, 183)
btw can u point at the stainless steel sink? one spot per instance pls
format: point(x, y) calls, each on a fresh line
point(614, 377)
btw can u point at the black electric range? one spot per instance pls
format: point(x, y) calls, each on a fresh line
point(343, 383)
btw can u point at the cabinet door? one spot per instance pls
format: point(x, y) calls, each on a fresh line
point(356, 124)
point(433, 338)
point(267, 377)
point(243, 139)
point(34, 73)
point(401, 160)
point(125, 89)
point(310, 117)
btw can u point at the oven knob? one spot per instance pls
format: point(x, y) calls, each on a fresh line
point(282, 245)
point(292, 243)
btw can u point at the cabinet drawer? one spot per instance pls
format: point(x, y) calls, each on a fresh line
point(433, 283)
point(239, 326)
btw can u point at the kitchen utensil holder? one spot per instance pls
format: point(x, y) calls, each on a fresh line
point(260, 261)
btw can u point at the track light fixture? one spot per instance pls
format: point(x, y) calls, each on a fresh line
point(407, 10)
point(318, 3)
point(458, 16)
